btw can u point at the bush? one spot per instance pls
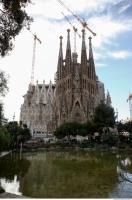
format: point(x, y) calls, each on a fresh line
point(110, 139)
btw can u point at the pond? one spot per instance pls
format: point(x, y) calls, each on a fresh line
point(67, 174)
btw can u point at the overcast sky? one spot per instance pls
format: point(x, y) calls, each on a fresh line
point(112, 48)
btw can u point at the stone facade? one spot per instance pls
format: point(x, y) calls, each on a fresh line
point(76, 84)
point(37, 109)
point(73, 97)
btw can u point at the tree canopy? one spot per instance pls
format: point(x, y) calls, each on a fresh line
point(13, 18)
point(104, 116)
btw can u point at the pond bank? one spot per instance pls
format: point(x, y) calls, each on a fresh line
point(9, 195)
point(77, 148)
point(4, 153)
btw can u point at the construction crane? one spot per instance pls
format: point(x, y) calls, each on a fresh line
point(82, 21)
point(35, 38)
point(75, 31)
point(130, 105)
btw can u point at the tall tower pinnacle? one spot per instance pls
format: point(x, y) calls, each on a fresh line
point(83, 52)
point(68, 52)
point(91, 61)
point(60, 59)
point(108, 99)
point(68, 48)
point(90, 48)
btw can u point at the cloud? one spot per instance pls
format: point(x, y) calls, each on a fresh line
point(104, 25)
point(108, 28)
point(100, 65)
point(121, 54)
point(124, 8)
point(52, 8)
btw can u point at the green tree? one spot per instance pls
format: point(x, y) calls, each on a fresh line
point(12, 19)
point(104, 116)
point(18, 133)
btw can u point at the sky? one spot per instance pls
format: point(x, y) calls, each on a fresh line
point(111, 20)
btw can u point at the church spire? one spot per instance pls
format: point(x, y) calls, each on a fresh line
point(91, 61)
point(90, 48)
point(68, 51)
point(108, 99)
point(68, 48)
point(60, 59)
point(83, 51)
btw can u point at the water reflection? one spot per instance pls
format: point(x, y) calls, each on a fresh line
point(68, 174)
point(124, 186)
point(123, 168)
point(12, 170)
point(11, 165)
point(11, 186)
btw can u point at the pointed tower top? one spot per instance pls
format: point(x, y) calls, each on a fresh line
point(43, 87)
point(108, 99)
point(83, 40)
point(68, 48)
point(43, 82)
point(83, 51)
point(60, 57)
point(68, 40)
point(90, 48)
point(92, 73)
point(60, 51)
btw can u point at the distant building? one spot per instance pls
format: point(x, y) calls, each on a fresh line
point(73, 97)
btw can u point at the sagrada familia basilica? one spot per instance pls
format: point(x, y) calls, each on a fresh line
point(73, 97)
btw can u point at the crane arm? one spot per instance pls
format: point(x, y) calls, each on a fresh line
point(35, 36)
point(82, 21)
point(70, 11)
point(94, 34)
point(74, 28)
